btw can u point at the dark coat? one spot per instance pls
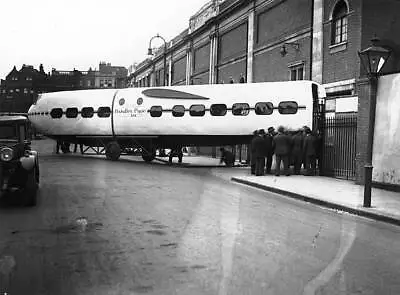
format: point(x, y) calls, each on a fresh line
point(258, 147)
point(269, 144)
point(297, 144)
point(310, 145)
point(283, 144)
point(227, 157)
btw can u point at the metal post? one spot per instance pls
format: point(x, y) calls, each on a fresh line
point(373, 80)
point(165, 64)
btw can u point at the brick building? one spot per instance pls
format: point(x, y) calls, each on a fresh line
point(20, 88)
point(236, 41)
point(274, 40)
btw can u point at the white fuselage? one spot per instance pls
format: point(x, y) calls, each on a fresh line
point(130, 110)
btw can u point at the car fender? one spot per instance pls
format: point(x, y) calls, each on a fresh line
point(28, 162)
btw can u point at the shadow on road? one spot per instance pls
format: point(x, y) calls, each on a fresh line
point(138, 161)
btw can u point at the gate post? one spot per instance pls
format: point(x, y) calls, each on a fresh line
point(365, 92)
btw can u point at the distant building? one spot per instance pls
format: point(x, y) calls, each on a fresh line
point(20, 88)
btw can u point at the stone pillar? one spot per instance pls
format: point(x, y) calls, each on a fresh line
point(189, 68)
point(250, 45)
point(170, 71)
point(213, 55)
point(367, 91)
point(317, 43)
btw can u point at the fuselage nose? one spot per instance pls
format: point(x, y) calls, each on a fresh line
point(31, 110)
point(32, 116)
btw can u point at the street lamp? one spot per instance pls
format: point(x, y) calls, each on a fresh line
point(373, 59)
point(150, 52)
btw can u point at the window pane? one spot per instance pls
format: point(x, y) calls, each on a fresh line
point(104, 112)
point(178, 111)
point(293, 75)
point(56, 113)
point(218, 109)
point(287, 107)
point(156, 111)
point(87, 112)
point(71, 112)
point(197, 110)
point(300, 73)
point(240, 109)
point(264, 108)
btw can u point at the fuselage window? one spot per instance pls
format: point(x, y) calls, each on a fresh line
point(197, 110)
point(264, 108)
point(56, 113)
point(71, 113)
point(156, 111)
point(104, 112)
point(87, 112)
point(287, 107)
point(218, 109)
point(240, 109)
point(178, 111)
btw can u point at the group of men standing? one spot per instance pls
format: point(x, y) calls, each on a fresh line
point(297, 148)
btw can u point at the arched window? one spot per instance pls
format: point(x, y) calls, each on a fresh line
point(339, 23)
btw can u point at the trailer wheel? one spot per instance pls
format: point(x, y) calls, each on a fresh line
point(113, 151)
point(148, 155)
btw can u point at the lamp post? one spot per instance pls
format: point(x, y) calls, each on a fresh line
point(373, 59)
point(150, 52)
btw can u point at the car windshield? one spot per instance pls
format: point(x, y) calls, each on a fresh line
point(8, 132)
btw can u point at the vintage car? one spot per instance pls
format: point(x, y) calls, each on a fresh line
point(19, 165)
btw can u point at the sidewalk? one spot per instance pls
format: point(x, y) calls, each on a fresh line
point(329, 192)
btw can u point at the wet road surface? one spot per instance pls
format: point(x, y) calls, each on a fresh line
point(126, 227)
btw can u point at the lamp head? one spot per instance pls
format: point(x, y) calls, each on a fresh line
point(374, 57)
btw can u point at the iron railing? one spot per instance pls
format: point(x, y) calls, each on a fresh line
point(338, 153)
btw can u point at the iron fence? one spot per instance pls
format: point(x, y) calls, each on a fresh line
point(338, 153)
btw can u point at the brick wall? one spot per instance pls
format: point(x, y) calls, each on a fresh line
point(383, 19)
point(342, 64)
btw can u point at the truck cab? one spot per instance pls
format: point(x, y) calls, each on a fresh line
point(19, 165)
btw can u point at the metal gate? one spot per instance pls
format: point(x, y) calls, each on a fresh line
point(338, 154)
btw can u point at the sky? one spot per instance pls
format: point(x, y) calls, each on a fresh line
point(68, 34)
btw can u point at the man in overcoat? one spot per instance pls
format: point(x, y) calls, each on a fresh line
point(252, 153)
point(297, 150)
point(310, 152)
point(259, 152)
point(282, 144)
point(269, 149)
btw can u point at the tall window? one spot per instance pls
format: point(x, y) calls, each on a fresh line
point(339, 23)
point(297, 72)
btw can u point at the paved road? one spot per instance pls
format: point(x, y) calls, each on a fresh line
point(126, 227)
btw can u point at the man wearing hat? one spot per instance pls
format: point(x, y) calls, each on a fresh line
point(259, 152)
point(310, 152)
point(252, 153)
point(283, 144)
point(269, 148)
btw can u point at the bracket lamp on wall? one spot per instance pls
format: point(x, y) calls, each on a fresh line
point(295, 45)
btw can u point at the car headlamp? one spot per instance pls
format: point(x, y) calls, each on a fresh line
point(6, 154)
